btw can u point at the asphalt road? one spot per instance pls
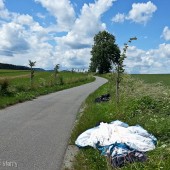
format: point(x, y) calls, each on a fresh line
point(34, 134)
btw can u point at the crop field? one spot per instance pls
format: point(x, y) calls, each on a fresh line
point(4, 73)
point(154, 78)
point(15, 85)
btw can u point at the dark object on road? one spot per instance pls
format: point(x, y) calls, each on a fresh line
point(103, 98)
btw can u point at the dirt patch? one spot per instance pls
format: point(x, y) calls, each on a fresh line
point(13, 77)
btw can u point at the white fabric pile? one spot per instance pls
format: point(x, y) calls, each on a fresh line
point(106, 134)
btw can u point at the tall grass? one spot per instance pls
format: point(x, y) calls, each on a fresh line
point(145, 104)
point(19, 88)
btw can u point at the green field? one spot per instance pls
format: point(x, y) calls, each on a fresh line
point(154, 78)
point(15, 85)
point(145, 104)
point(10, 73)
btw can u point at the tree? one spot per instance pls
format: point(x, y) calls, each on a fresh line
point(104, 52)
point(32, 64)
point(120, 67)
point(56, 70)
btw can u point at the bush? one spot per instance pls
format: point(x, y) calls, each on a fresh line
point(61, 81)
point(4, 84)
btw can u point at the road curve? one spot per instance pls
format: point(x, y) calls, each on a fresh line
point(34, 134)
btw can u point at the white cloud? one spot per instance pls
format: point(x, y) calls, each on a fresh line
point(4, 14)
point(2, 6)
point(12, 39)
point(166, 33)
point(22, 39)
point(86, 25)
point(38, 43)
point(140, 13)
point(39, 15)
point(62, 10)
point(77, 43)
point(151, 61)
point(119, 18)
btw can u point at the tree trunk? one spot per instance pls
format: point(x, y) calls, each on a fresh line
point(117, 85)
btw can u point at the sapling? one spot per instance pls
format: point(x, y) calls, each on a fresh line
point(56, 70)
point(32, 64)
point(120, 67)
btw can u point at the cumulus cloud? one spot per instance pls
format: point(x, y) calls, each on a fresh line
point(77, 43)
point(62, 10)
point(1, 5)
point(24, 38)
point(4, 14)
point(119, 18)
point(151, 61)
point(39, 15)
point(166, 33)
point(86, 25)
point(12, 39)
point(140, 13)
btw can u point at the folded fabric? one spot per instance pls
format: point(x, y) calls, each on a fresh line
point(117, 132)
point(119, 141)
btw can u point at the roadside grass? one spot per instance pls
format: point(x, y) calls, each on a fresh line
point(145, 104)
point(18, 89)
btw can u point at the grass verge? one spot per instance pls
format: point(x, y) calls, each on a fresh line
point(145, 104)
point(17, 89)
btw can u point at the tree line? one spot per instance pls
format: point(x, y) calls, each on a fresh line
point(13, 67)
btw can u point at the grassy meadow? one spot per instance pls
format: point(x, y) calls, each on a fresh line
point(140, 103)
point(154, 78)
point(15, 84)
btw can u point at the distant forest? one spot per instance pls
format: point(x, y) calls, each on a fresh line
point(13, 67)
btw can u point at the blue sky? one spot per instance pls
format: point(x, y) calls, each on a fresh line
point(61, 32)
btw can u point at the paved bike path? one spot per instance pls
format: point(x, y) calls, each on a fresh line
point(34, 134)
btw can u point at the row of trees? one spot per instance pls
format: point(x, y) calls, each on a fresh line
point(13, 67)
point(106, 55)
point(32, 64)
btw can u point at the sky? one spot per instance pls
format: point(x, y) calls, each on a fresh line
point(61, 32)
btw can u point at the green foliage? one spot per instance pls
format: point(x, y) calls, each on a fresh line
point(32, 64)
point(56, 70)
point(104, 52)
point(90, 159)
point(120, 67)
point(60, 80)
point(4, 85)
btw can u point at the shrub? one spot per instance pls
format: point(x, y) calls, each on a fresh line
point(60, 79)
point(4, 84)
